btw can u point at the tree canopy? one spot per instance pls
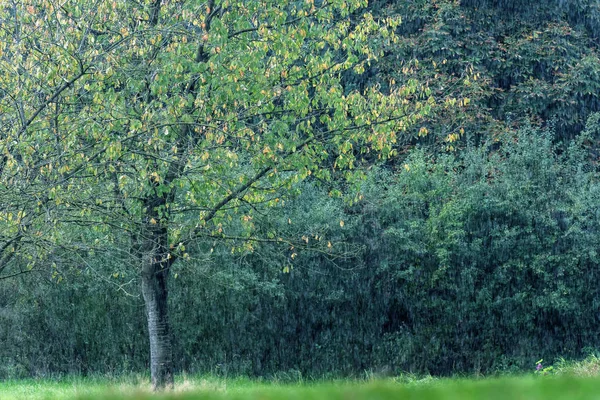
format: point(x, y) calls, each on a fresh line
point(160, 122)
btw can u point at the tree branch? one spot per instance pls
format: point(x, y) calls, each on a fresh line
point(45, 104)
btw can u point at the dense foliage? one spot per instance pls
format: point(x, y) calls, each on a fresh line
point(478, 262)
point(472, 248)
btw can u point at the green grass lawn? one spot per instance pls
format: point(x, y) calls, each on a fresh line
point(526, 387)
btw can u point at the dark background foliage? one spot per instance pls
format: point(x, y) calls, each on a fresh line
point(482, 261)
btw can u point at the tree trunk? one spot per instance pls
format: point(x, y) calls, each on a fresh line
point(155, 273)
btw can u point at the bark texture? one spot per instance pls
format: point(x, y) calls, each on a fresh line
point(155, 274)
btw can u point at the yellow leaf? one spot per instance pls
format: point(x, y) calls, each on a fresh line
point(453, 137)
point(341, 223)
point(154, 177)
point(153, 221)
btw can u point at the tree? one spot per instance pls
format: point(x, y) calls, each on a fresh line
point(494, 65)
point(141, 127)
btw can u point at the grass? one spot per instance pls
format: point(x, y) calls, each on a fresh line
point(569, 381)
point(589, 367)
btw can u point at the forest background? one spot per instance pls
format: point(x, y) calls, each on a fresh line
point(470, 247)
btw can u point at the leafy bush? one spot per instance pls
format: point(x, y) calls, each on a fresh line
point(481, 261)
